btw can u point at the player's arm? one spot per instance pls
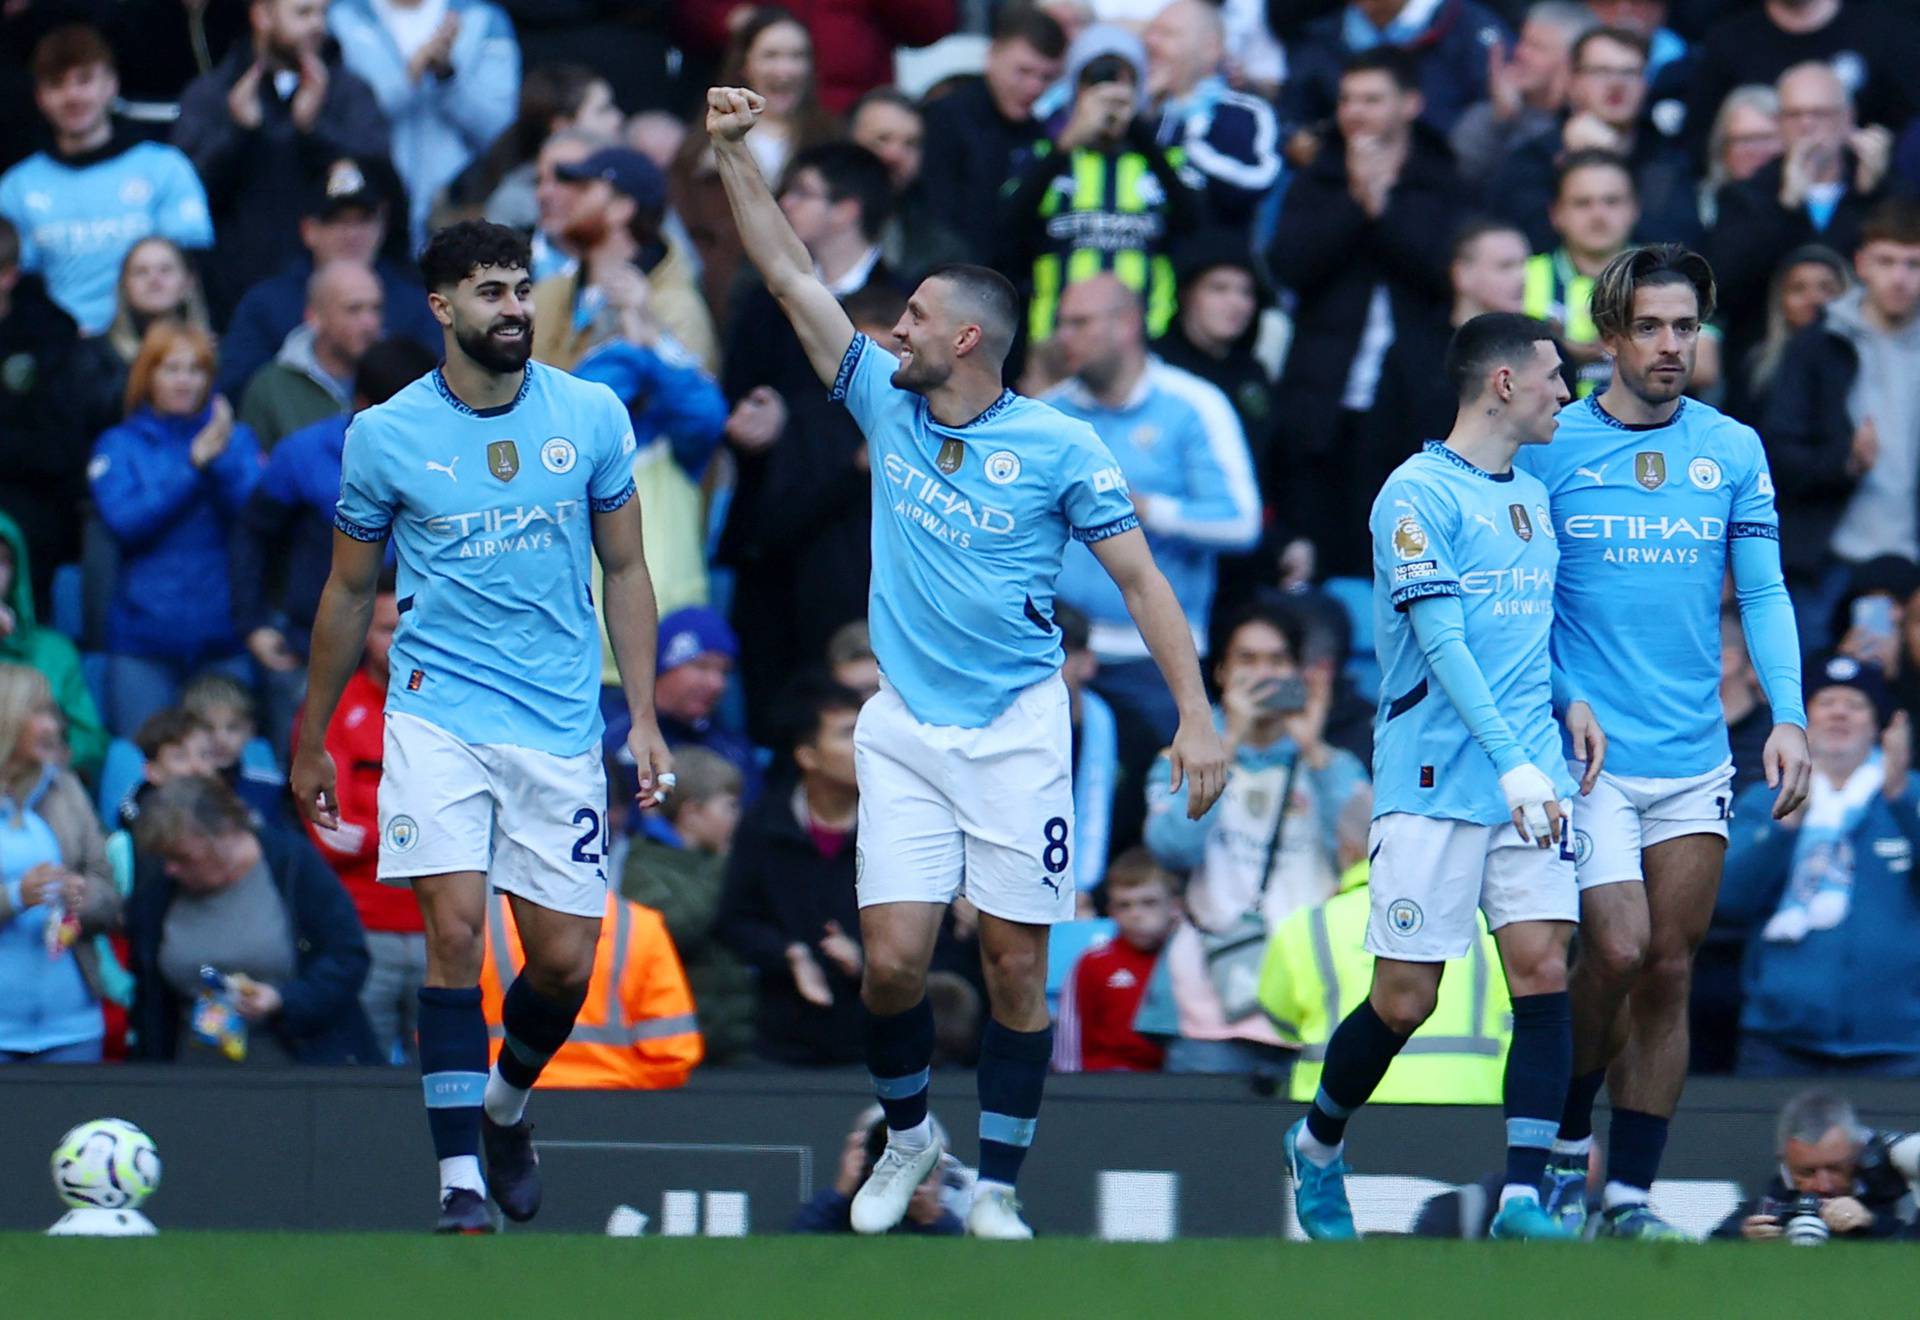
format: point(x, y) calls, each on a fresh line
point(1197, 754)
point(1583, 729)
point(339, 636)
point(1773, 638)
point(633, 621)
point(771, 245)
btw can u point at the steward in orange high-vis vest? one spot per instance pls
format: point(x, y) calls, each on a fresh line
point(636, 1030)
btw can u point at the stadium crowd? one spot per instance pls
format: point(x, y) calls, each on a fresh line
point(1244, 232)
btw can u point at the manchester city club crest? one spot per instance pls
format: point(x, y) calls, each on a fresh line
point(503, 459)
point(1404, 916)
point(952, 454)
point(1650, 468)
point(558, 455)
point(402, 833)
point(1522, 526)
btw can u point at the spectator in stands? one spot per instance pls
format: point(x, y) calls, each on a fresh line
point(632, 46)
point(769, 51)
point(1363, 246)
point(225, 706)
point(1842, 424)
point(43, 479)
point(677, 866)
point(851, 662)
point(1526, 89)
point(1873, 48)
point(1179, 444)
point(24, 641)
point(56, 890)
point(1744, 139)
point(853, 43)
point(1413, 402)
point(916, 239)
point(636, 1030)
point(1267, 848)
point(447, 76)
point(156, 282)
point(1808, 279)
point(79, 207)
point(396, 937)
point(173, 745)
point(311, 377)
point(798, 534)
point(628, 268)
point(1447, 45)
point(282, 544)
point(1213, 336)
point(1827, 895)
point(1106, 195)
point(553, 98)
point(260, 906)
point(790, 911)
point(695, 659)
point(1820, 191)
point(983, 132)
point(1096, 751)
point(1594, 212)
point(1744, 701)
point(254, 126)
point(345, 220)
point(553, 253)
point(1093, 1030)
point(928, 1213)
point(1864, 1179)
point(1229, 137)
point(168, 483)
point(1606, 104)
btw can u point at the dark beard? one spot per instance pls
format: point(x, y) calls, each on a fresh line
point(491, 355)
point(918, 377)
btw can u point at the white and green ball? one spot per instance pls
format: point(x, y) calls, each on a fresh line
point(108, 1164)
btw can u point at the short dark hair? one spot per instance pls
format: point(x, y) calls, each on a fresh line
point(879, 303)
point(1591, 158)
point(66, 48)
point(1648, 267)
point(1275, 616)
point(1490, 340)
point(848, 170)
point(808, 702)
point(167, 728)
point(1107, 68)
point(389, 367)
point(1396, 63)
point(1023, 22)
point(460, 249)
point(198, 805)
point(1477, 228)
point(993, 295)
point(1896, 220)
point(885, 95)
point(1619, 36)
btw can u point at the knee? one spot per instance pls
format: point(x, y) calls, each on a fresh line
point(1666, 973)
point(1538, 973)
point(892, 982)
point(563, 981)
point(1404, 1007)
point(456, 947)
point(1615, 957)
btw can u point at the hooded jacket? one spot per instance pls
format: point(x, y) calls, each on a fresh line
point(171, 520)
point(291, 392)
point(53, 655)
point(284, 536)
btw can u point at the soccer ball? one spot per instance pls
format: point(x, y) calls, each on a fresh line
point(107, 1164)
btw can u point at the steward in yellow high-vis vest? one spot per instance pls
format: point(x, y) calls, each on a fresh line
point(636, 1030)
point(1556, 291)
point(1317, 970)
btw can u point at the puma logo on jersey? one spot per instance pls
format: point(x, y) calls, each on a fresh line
point(1492, 526)
point(1598, 474)
point(447, 467)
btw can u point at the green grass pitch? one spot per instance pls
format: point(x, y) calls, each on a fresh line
point(216, 1276)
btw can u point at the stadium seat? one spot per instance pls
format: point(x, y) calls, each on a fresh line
point(258, 756)
point(1065, 944)
point(124, 768)
point(1355, 596)
point(69, 602)
point(93, 671)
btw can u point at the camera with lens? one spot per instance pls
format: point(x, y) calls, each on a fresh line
point(1801, 1220)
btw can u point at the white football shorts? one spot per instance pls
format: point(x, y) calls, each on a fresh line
point(1626, 813)
point(532, 822)
point(1429, 875)
point(985, 812)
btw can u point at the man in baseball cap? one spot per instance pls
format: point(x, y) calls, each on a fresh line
point(693, 665)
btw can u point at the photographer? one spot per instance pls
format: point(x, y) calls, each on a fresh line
point(1836, 1179)
point(937, 1203)
point(1265, 849)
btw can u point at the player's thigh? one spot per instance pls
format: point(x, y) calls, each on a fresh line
point(1605, 833)
point(549, 831)
point(1527, 885)
point(1424, 884)
point(1683, 883)
point(435, 804)
point(1012, 787)
point(1682, 808)
point(453, 908)
point(909, 848)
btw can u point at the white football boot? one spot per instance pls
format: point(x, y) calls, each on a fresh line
point(882, 1200)
point(995, 1214)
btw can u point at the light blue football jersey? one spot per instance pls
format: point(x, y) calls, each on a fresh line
point(1644, 516)
point(969, 527)
point(1443, 527)
point(489, 513)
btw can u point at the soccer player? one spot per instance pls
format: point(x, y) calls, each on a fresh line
point(498, 480)
point(1471, 789)
point(964, 758)
point(1651, 494)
